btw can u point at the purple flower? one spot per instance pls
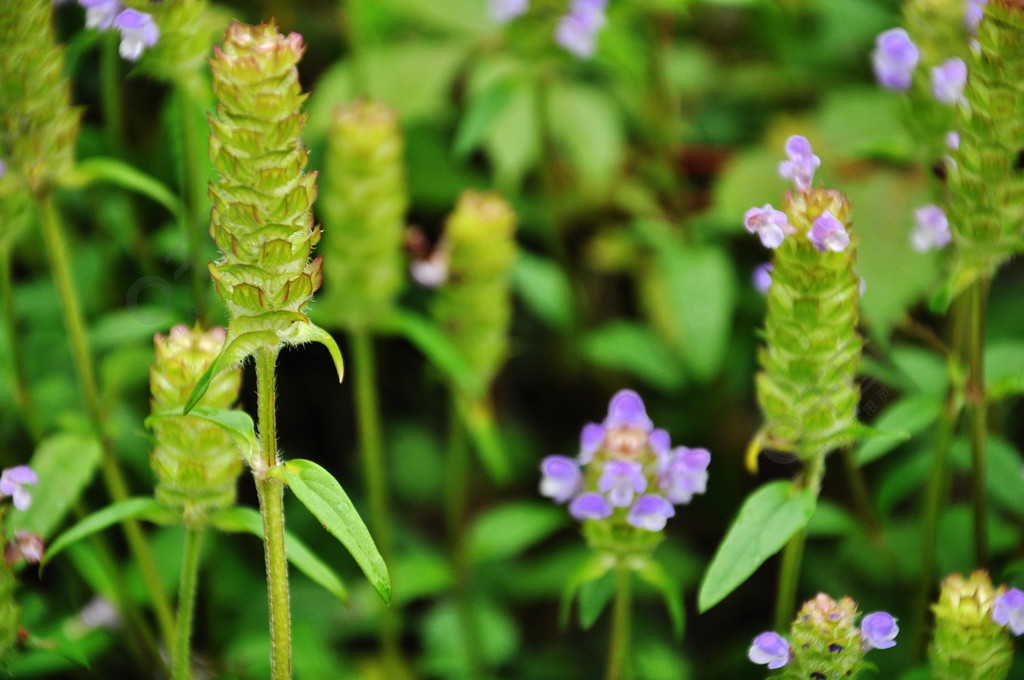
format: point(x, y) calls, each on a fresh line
point(660, 443)
point(562, 478)
point(801, 164)
point(949, 79)
point(973, 15)
point(626, 409)
point(590, 506)
point(878, 631)
point(650, 512)
point(591, 439)
point(100, 14)
point(25, 546)
point(1009, 610)
point(620, 480)
point(953, 140)
point(827, 233)
point(762, 277)
point(894, 59)
point(685, 474)
point(932, 230)
point(138, 31)
point(769, 224)
point(771, 649)
point(12, 482)
point(503, 11)
point(577, 30)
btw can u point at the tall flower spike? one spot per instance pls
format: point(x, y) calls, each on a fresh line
point(38, 126)
point(196, 462)
point(262, 217)
point(363, 211)
point(968, 644)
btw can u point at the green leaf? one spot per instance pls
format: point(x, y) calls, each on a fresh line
point(478, 418)
point(234, 352)
point(434, 344)
point(511, 529)
point(64, 464)
point(1004, 369)
point(633, 348)
point(248, 520)
point(1002, 471)
point(654, 574)
point(313, 333)
point(591, 569)
point(545, 289)
point(234, 421)
point(588, 125)
point(768, 519)
point(131, 508)
point(119, 173)
point(906, 418)
point(594, 598)
point(320, 492)
point(484, 108)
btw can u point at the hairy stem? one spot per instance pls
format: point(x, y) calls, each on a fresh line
point(977, 411)
point(271, 496)
point(793, 553)
point(619, 667)
point(182, 657)
point(117, 488)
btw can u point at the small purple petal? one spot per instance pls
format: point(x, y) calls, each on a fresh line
point(894, 59)
point(11, 481)
point(591, 439)
point(577, 30)
point(827, 233)
point(21, 474)
point(762, 277)
point(503, 11)
point(878, 631)
point(932, 230)
point(769, 224)
point(949, 79)
point(138, 32)
point(973, 15)
point(685, 475)
point(620, 480)
point(650, 512)
point(802, 163)
point(660, 442)
point(590, 506)
point(100, 14)
point(770, 648)
point(1009, 610)
point(627, 409)
point(953, 140)
point(3, 168)
point(562, 478)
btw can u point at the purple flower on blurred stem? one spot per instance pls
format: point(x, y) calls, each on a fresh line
point(932, 229)
point(561, 478)
point(762, 277)
point(1009, 610)
point(620, 480)
point(590, 506)
point(878, 631)
point(949, 79)
point(12, 482)
point(503, 11)
point(953, 140)
point(650, 512)
point(974, 14)
point(827, 233)
point(685, 474)
point(591, 438)
point(894, 59)
point(577, 30)
point(801, 164)
point(100, 14)
point(138, 31)
point(771, 649)
point(769, 224)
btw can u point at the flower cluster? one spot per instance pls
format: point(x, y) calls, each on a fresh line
point(896, 57)
point(626, 470)
point(577, 30)
point(772, 226)
point(138, 30)
point(826, 642)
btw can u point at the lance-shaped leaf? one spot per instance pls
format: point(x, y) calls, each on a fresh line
point(131, 508)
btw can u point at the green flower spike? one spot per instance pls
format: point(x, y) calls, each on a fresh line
point(262, 217)
point(986, 184)
point(806, 387)
point(364, 215)
point(474, 307)
point(968, 644)
point(196, 461)
point(38, 125)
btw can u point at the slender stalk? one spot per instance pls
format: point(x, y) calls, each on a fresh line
point(861, 495)
point(22, 393)
point(368, 413)
point(977, 412)
point(110, 92)
point(271, 496)
point(117, 488)
point(193, 192)
point(619, 666)
point(182, 657)
point(793, 553)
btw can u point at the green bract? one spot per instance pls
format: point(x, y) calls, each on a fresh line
point(968, 644)
point(812, 350)
point(364, 216)
point(196, 462)
point(38, 126)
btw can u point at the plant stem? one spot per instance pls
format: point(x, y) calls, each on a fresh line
point(977, 411)
point(193, 191)
point(861, 495)
point(117, 488)
point(22, 392)
point(182, 657)
point(110, 88)
point(368, 413)
point(271, 496)
point(793, 553)
point(619, 667)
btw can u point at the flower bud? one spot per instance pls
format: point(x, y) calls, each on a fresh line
point(968, 643)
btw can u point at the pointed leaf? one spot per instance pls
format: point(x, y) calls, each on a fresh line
point(435, 345)
point(234, 421)
point(487, 442)
point(767, 520)
point(511, 529)
point(313, 333)
point(119, 173)
point(321, 493)
point(909, 416)
point(234, 352)
point(594, 598)
point(591, 569)
point(130, 508)
point(653, 573)
point(247, 520)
